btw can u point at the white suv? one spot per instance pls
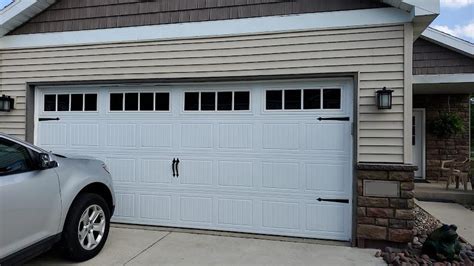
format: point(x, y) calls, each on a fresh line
point(48, 199)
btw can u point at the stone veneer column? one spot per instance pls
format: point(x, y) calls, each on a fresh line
point(382, 219)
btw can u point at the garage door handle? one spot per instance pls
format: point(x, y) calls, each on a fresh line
point(335, 200)
point(48, 119)
point(177, 167)
point(172, 166)
point(334, 118)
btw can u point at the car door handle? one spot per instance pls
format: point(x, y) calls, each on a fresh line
point(48, 119)
point(172, 166)
point(177, 167)
point(334, 200)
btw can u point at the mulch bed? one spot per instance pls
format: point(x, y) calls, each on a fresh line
point(424, 225)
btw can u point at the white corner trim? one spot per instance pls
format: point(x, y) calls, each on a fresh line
point(324, 20)
point(445, 78)
point(449, 41)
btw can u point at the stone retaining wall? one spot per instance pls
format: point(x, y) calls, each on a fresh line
point(385, 220)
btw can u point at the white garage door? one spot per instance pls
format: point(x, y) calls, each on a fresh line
point(252, 157)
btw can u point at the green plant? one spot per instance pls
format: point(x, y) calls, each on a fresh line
point(447, 125)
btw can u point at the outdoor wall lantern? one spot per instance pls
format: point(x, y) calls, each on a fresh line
point(384, 98)
point(6, 103)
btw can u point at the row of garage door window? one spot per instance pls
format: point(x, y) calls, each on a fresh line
point(291, 99)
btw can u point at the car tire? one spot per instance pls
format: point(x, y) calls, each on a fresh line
point(77, 242)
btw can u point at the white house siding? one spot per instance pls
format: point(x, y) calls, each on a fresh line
point(376, 53)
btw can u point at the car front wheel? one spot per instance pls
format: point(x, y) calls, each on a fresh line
point(86, 227)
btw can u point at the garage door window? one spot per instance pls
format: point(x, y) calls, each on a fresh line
point(139, 101)
point(70, 102)
point(217, 101)
point(303, 99)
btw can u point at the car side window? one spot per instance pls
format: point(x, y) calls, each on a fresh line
point(14, 158)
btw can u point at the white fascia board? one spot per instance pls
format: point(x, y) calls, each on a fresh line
point(449, 41)
point(418, 7)
point(325, 20)
point(19, 12)
point(443, 78)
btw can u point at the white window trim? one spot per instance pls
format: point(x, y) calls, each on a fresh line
point(216, 111)
point(283, 110)
point(109, 111)
point(69, 107)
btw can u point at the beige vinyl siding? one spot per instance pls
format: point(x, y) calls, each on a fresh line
point(376, 54)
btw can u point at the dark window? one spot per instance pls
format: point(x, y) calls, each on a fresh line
point(146, 101)
point(312, 99)
point(50, 102)
point(116, 102)
point(292, 99)
point(191, 101)
point(224, 101)
point(14, 158)
point(162, 101)
point(63, 102)
point(241, 100)
point(90, 102)
point(274, 100)
point(76, 102)
point(332, 99)
point(131, 101)
point(208, 101)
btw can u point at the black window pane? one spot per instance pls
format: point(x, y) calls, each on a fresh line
point(50, 102)
point(76, 102)
point(63, 102)
point(312, 99)
point(131, 101)
point(241, 100)
point(224, 101)
point(332, 99)
point(90, 102)
point(274, 100)
point(292, 99)
point(191, 101)
point(162, 101)
point(208, 101)
point(116, 102)
point(146, 101)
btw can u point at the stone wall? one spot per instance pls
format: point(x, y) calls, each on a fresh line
point(439, 149)
point(385, 220)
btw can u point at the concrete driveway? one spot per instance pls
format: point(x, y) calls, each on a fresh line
point(127, 246)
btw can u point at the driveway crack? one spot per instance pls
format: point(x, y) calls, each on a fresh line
point(147, 248)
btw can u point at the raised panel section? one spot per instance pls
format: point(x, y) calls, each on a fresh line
point(235, 136)
point(84, 135)
point(326, 137)
point(235, 212)
point(280, 136)
point(156, 135)
point(122, 170)
point(195, 172)
point(156, 171)
point(280, 175)
point(121, 135)
point(196, 135)
point(196, 209)
point(326, 177)
point(155, 207)
point(125, 205)
point(281, 215)
point(233, 173)
point(52, 134)
point(326, 218)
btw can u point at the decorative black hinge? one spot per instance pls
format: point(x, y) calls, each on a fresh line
point(335, 200)
point(49, 119)
point(334, 118)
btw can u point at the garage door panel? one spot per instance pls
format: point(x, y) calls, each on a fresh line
point(156, 207)
point(196, 172)
point(196, 136)
point(55, 135)
point(236, 174)
point(121, 135)
point(326, 137)
point(281, 215)
point(84, 135)
point(195, 209)
point(125, 205)
point(280, 175)
point(235, 212)
point(326, 177)
point(155, 171)
point(280, 136)
point(123, 170)
point(326, 218)
point(235, 136)
point(156, 135)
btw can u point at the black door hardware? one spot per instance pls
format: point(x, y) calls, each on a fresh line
point(49, 119)
point(335, 200)
point(177, 167)
point(334, 118)
point(172, 166)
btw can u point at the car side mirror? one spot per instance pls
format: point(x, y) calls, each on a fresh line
point(45, 161)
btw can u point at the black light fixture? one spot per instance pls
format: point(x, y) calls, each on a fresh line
point(6, 103)
point(384, 98)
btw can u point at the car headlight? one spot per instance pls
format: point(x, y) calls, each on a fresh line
point(106, 168)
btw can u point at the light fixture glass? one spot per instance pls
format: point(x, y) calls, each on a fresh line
point(6, 103)
point(384, 98)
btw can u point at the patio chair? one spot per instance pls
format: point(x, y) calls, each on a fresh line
point(457, 171)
